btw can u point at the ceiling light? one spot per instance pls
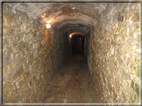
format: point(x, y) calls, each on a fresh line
point(48, 26)
point(73, 8)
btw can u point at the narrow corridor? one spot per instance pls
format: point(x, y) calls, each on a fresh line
point(72, 84)
point(71, 52)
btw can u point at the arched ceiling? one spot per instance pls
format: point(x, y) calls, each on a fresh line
point(69, 26)
point(55, 12)
point(64, 17)
point(76, 33)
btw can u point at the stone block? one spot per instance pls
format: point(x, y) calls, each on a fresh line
point(135, 17)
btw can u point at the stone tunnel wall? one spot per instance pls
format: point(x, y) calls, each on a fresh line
point(30, 57)
point(66, 48)
point(114, 54)
point(62, 46)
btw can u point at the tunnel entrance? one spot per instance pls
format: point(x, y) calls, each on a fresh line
point(77, 44)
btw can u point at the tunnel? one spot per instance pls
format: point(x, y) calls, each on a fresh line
point(71, 52)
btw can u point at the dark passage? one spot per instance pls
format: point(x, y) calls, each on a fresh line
point(77, 44)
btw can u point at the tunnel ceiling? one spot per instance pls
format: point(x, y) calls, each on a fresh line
point(64, 17)
point(49, 12)
point(69, 26)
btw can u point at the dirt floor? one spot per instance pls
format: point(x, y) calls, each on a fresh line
point(72, 84)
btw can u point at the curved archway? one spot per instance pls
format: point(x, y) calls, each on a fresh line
point(72, 25)
point(76, 33)
point(62, 31)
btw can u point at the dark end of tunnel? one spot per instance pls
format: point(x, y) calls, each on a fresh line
point(77, 45)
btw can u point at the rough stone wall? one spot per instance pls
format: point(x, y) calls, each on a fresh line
point(114, 54)
point(29, 58)
point(62, 43)
point(61, 47)
point(66, 48)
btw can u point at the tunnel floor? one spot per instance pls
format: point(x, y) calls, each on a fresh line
point(72, 84)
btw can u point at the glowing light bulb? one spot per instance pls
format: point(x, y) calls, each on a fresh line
point(48, 26)
point(70, 36)
point(73, 8)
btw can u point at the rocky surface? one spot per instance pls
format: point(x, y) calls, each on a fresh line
point(33, 54)
point(114, 54)
point(55, 9)
point(29, 57)
point(72, 84)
